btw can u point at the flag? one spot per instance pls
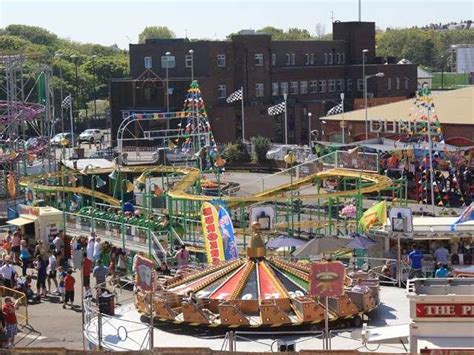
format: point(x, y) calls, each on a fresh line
point(228, 235)
point(277, 109)
point(235, 96)
point(336, 110)
point(66, 102)
point(466, 215)
point(377, 214)
point(212, 234)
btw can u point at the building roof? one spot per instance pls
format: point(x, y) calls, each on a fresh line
point(452, 107)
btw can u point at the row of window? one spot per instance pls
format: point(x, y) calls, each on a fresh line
point(310, 87)
point(329, 58)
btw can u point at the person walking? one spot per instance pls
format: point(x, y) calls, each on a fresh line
point(416, 260)
point(15, 249)
point(24, 257)
point(59, 248)
point(441, 256)
point(41, 276)
point(8, 311)
point(69, 282)
point(86, 275)
point(100, 273)
point(90, 246)
point(52, 271)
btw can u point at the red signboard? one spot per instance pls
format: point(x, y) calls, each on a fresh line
point(444, 310)
point(327, 279)
point(144, 277)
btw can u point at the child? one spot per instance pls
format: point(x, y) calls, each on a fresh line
point(69, 282)
point(8, 311)
point(61, 275)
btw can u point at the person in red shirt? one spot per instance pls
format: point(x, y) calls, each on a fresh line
point(69, 282)
point(8, 311)
point(86, 275)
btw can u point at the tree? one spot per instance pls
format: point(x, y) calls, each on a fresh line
point(293, 34)
point(261, 145)
point(161, 32)
point(33, 34)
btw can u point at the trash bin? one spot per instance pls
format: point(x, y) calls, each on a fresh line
point(107, 304)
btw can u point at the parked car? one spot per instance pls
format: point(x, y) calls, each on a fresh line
point(62, 138)
point(108, 153)
point(91, 136)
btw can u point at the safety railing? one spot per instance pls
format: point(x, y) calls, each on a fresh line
point(268, 341)
point(22, 302)
point(127, 236)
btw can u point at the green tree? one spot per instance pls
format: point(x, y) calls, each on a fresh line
point(293, 34)
point(261, 145)
point(162, 32)
point(33, 34)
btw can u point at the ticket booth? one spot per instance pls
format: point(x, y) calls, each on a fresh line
point(38, 223)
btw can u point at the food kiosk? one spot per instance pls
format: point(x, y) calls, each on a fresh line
point(38, 223)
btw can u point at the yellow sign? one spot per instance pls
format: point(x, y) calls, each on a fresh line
point(212, 234)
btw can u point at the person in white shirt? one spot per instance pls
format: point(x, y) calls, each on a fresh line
point(90, 247)
point(7, 272)
point(96, 254)
point(51, 270)
point(359, 287)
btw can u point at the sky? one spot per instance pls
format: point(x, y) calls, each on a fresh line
point(119, 22)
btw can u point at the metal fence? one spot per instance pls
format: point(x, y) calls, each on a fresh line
point(22, 302)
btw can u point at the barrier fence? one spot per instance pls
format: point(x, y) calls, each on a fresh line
point(22, 302)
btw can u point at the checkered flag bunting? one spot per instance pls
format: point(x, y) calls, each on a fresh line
point(335, 110)
point(235, 96)
point(277, 109)
point(66, 102)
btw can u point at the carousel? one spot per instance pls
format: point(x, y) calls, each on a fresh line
point(257, 291)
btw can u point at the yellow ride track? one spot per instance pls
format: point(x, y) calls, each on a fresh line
point(192, 175)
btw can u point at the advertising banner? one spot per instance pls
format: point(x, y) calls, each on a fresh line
point(144, 269)
point(327, 279)
point(212, 234)
point(228, 236)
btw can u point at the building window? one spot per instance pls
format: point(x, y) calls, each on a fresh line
point(338, 58)
point(148, 62)
point(398, 83)
point(313, 86)
point(293, 59)
point(343, 58)
point(332, 85)
point(322, 86)
point(259, 59)
point(325, 58)
point(283, 88)
point(340, 85)
point(288, 59)
point(349, 85)
point(188, 61)
point(360, 84)
point(330, 58)
point(274, 59)
point(303, 87)
point(311, 59)
point(259, 90)
point(221, 60)
point(306, 59)
point(275, 88)
point(406, 83)
point(389, 84)
point(221, 92)
point(294, 88)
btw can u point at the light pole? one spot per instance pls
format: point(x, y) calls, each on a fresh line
point(378, 75)
point(309, 129)
point(167, 54)
point(76, 91)
point(343, 124)
point(442, 72)
point(94, 82)
point(285, 97)
point(364, 51)
point(191, 53)
point(60, 55)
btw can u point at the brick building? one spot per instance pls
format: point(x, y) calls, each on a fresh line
point(313, 73)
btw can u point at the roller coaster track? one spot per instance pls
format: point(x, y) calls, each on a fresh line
point(192, 175)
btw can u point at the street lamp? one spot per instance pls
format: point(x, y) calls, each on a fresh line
point(167, 54)
point(442, 72)
point(285, 97)
point(76, 91)
point(343, 124)
point(94, 82)
point(191, 53)
point(365, 77)
point(60, 55)
point(309, 129)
